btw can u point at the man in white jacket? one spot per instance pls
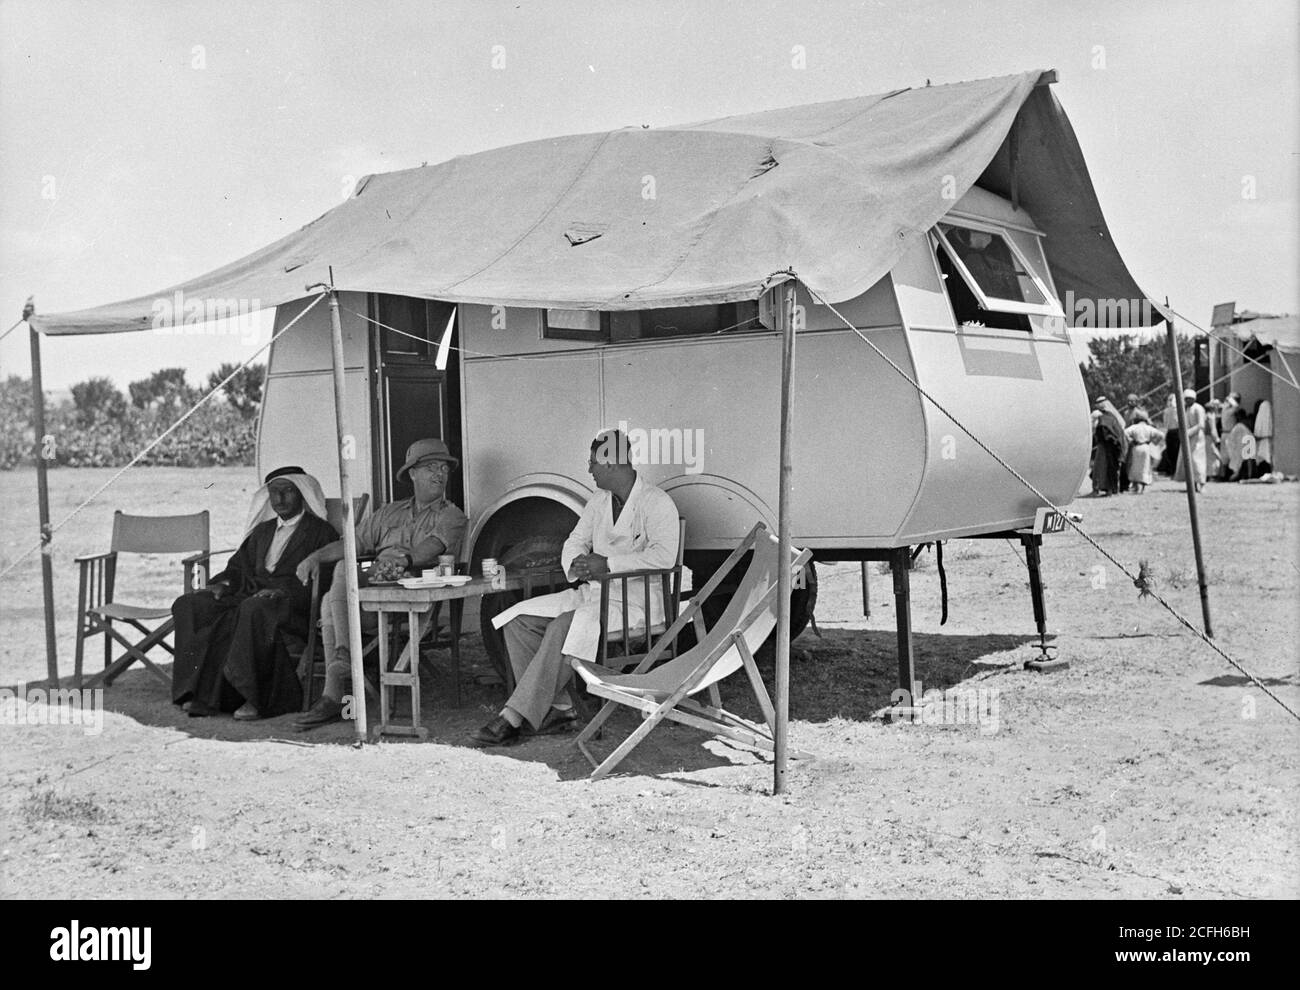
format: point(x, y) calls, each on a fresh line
point(628, 525)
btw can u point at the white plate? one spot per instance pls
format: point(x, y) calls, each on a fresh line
point(448, 581)
point(419, 582)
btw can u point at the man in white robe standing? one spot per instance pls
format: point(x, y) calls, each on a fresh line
point(628, 525)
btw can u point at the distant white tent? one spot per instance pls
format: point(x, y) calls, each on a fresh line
point(1273, 342)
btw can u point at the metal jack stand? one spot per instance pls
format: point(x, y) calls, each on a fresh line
point(1046, 661)
point(900, 562)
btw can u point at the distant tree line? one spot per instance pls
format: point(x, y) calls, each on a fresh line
point(102, 427)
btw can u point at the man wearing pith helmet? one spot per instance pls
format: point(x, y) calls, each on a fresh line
point(407, 534)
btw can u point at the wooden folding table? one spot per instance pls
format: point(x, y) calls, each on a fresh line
point(417, 604)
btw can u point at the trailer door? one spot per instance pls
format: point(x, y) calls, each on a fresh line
point(413, 399)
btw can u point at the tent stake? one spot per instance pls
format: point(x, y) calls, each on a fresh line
point(40, 449)
point(346, 443)
point(781, 736)
point(1189, 471)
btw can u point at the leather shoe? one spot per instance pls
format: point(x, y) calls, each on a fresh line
point(557, 720)
point(325, 711)
point(247, 712)
point(498, 732)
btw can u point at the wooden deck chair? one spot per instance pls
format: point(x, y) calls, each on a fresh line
point(623, 633)
point(670, 582)
point(98, 606)
point(666, 691)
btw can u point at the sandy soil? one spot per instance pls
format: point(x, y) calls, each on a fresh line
point(1149, 768)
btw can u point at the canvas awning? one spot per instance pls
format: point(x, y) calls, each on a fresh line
point(687, 215)
point(1280, 332)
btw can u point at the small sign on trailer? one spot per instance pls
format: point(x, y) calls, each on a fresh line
point(1049, 521)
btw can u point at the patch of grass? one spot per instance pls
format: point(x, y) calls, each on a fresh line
point(1184, 576)
point(48, 805)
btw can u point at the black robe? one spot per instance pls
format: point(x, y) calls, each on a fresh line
point(232, 650)
point(1110, 448)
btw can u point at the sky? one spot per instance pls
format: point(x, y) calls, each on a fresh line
point(143, 143)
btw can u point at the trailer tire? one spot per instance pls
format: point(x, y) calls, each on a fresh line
point(803, 602)
point(803, 605)
point(518, 524)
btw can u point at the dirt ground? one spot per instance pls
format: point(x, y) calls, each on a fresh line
point(1149, 768)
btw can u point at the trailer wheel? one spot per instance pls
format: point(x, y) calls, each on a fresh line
point(519, 535)
point(803, 601)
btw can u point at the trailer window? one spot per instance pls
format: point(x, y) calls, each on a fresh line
point(410, 328)
point(967, 309)
point(993, 270)
point(685, 321)
point(650, 324)
point(575, 324)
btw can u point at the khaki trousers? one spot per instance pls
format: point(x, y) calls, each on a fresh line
point(542, 671)
point(334, 634)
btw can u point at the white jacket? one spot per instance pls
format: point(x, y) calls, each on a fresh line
point(645, 536)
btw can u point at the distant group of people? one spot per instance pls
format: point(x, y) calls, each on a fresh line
point(1228, 443)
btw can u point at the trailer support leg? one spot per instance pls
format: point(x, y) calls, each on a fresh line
point(906, 705)
point(1046, 661)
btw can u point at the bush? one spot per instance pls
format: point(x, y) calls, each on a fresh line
point(216, 434)
point(16, 431)
point(244, 390)
point(97, 399)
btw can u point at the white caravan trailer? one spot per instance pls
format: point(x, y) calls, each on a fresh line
point(876, 466)
point(621, 279)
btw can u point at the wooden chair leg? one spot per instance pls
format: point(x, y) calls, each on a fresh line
point(309, 682)
point(456, 612)
point(632, 741)
point(593, 728)
point(134, 651)
point(583, 706)
point(81, 648)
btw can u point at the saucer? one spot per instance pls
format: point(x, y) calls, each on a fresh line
point(446, 581)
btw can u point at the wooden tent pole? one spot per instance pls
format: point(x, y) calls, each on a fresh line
point(40, 449)
point(783, 587)
point(1189, 472)
point(346, 444)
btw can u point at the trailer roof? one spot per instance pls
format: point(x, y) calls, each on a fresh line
point(687, 215)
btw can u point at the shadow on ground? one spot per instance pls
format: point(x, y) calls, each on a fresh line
point(1237, 680)
point(843, 674)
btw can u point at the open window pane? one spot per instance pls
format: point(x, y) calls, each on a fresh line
point(997, 270)
point(967, 309)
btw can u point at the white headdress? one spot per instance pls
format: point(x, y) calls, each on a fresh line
point(313, 497)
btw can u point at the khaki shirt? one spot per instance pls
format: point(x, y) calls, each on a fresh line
point(401, 526)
